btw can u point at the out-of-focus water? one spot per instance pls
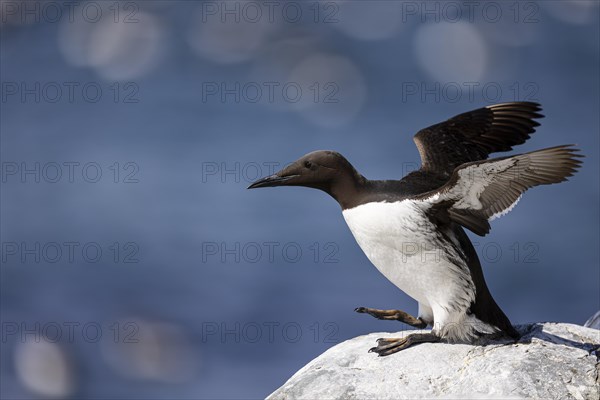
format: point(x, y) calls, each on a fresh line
point(134, 261)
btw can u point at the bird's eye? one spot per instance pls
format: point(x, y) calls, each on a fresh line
point(307, 164)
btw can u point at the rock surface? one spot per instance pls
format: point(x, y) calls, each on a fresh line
point(551, 361)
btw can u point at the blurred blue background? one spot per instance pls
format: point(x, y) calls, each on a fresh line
point(134, 262)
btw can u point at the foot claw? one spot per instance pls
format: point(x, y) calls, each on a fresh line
point(361, 310)
point(387, 346)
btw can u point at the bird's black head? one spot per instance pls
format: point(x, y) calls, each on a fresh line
point(326, 170)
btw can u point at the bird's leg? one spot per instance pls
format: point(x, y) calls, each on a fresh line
point(393, 315)
point(388, 346)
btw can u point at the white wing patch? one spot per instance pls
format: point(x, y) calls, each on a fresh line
point(472, 181)
point(504, 212)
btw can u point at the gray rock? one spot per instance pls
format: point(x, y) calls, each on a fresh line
point(551, 361)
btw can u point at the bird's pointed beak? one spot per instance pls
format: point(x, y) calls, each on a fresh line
point(271, 181)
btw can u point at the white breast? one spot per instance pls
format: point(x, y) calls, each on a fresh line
point(400, 240)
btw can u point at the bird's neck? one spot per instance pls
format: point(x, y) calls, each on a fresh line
point(348, 188)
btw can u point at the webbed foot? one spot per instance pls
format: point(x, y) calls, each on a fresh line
point(387, 346)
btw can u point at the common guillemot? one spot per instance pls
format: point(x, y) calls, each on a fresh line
point(412, 229)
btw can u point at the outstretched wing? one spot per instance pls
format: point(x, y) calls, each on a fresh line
point(474, 135)
point(480, 191)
